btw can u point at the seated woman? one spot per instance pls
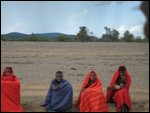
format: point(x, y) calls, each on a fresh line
point(10, 92)
point(60, 95)
point(8, 74)
point(118, 90)
point(91, 98)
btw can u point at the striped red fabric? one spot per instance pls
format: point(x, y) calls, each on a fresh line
point(92, 99)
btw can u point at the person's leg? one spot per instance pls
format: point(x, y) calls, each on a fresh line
point(124, 108)
point(111, 97)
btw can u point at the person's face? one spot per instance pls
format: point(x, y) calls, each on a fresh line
point(59, 77)
point(121, 73)
point(8, 72)
point(92, 76)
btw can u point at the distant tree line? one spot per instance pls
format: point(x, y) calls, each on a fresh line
point(110, 36)
point(84, 35)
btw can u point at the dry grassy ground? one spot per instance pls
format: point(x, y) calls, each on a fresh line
point(35, 63)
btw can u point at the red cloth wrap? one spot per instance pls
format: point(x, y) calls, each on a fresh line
point(121, 96)
point(10, 93)
point(92, 99)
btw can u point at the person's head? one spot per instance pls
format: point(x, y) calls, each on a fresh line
point(92, 76)
point(122, 69)
point(59, 76)
point(8, 71)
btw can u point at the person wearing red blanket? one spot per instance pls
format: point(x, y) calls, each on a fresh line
point(118, 90)
point(10, 92)
point(91, 98)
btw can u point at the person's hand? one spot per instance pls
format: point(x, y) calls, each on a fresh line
point(110, 87)
point(117, 87)
point(42, 105)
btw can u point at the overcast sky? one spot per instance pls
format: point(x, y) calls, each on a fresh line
point(67, 17)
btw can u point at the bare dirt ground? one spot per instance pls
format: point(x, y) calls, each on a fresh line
point(35, 63)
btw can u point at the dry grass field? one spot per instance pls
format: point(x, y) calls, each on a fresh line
point(35, 63)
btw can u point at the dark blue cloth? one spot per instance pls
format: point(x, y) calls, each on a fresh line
point(59, 99)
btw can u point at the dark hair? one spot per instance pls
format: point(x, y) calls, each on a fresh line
point(60, 72)
point(122, 68)
point(92, 72)
point(10, 68)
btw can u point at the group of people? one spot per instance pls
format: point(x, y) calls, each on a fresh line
point(91, 97)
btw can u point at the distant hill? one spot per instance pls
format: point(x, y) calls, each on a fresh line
point(52, 35)
point(16, 36)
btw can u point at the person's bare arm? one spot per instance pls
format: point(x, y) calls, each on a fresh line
point(110, 87)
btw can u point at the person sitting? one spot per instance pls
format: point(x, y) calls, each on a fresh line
point(60, 95)
point(118, 90)
point(10, 92)
point(91, 98)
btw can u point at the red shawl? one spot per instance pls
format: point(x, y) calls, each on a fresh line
point(92, 99)
point(10, 93)
point(121, 96)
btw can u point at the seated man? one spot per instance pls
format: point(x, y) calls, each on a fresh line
point(60, 95)
point(91, 98)
point(118, 90)
point(10, 92)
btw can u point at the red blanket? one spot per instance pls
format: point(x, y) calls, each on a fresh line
point(92, 99)
point(10, 93)
point(121, 96)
